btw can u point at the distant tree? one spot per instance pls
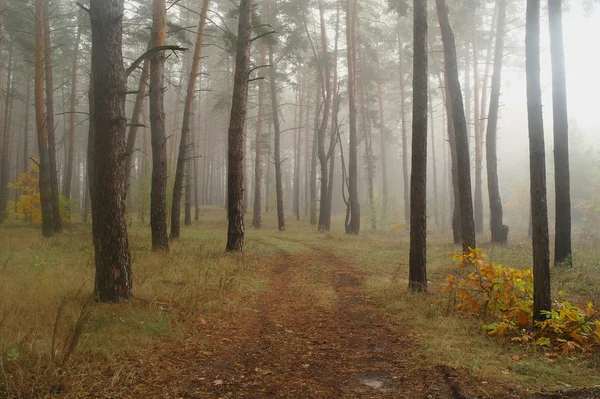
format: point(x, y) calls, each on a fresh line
point(73, 117)
point(185, 144)
point(353, 226)
point(460, 127)
point(498, 229)
point(418, 181)
point(235, 177)
point(277, 141)
point(49, 74)
point(537, 161)
point(158, 195)
point(562, 178)
point(113, 281)
point(40, 118)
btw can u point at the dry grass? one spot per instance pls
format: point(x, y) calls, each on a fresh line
point(49, 325)
point(45, 287)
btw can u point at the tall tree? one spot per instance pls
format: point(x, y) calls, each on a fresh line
point(158, 192)
point(184, 144)
point(353, 203)
point(235, 154)
point(40, 118)
point(404, 128)
point(73, 117)
point(5, 164)
point(50, 120)
point(277, 141)
point(498, 229)
point(257, 205)
point(418, 181)
point(537, 163)
point(113, 281)
point(460, 127)
point(562, 178)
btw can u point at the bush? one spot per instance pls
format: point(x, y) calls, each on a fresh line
point(503, 298)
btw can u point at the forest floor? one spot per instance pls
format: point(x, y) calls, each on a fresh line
point(318, 322)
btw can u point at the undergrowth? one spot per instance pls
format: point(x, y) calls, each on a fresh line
point(503, 298)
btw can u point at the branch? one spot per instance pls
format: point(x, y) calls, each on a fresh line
point(148, 54)
point(84, 8)
point(262, 35)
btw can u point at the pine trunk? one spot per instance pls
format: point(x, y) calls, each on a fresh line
point(50, 121)
point(353, 202)
point(542, 301)
point(257, 206)
point(40, 118)
point(73, 118)
point(460, 128)
point(418, 181)
point(158, 191)
point(277, 142)
point(113, 281)
point(235, 168)
point(562, 178)
point(498, 229)
point(5, 164)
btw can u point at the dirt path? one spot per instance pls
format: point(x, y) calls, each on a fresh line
point(295, 342)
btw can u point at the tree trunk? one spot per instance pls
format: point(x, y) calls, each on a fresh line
point(158, 194)
point(40, 118)
point(478, 200)
point(5, 164)
point(73, 118)
point(456, 225)
point(188, 110)
point(383, 138)
point(537, 160)
point(50, 121)
point(562, 178)
point(498, 229)
point(26, 126)
point(306, 152)
point(326, 93)
point(235, 178)
point(298, 147)
point(436, 208)
point(460, 128)
point(418, 181)
point(257, 206)
point(277, 142)
point(313, 163)
point(353, 203)
point(405, 174)
point(113, 261)
point(135, 119)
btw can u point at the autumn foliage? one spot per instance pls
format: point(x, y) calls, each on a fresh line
point(28, 208)
point(503, 298)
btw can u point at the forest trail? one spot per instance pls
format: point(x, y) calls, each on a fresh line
point(313, 333)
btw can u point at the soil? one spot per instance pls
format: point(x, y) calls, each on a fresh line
point(292, 342)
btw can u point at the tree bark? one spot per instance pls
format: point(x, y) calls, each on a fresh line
point(313, 163)
point(353, 203)
point(73, 117)
point(277, 142)
point(26, 126)
point(298, 147)
point(113, 261)
point(235, 178)
point(478, 200)
point(498, 229)
point(40, 118)
point(50, 121)
point(185, 127)
point(562, 178)
point(436, 208)
point(460, 128)
point(537, 161)
point(158, 194)
point(418, 182)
